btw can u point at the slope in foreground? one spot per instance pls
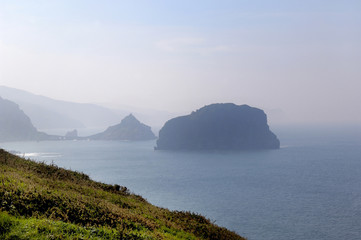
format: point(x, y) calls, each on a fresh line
point(39, 201)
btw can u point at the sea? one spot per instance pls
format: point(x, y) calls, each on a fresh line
point(310, 188)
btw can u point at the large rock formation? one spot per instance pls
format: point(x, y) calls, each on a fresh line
point(15, 125)
point(218, 126)
point(71, 135)
point(129, 129)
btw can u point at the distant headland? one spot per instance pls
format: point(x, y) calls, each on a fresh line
point(218, 127)
point(15, 125)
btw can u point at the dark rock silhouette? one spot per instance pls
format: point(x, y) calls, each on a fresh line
point(15, 125)
point(218, 126)
point(129, 129)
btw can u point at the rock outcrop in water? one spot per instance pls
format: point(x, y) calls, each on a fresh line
point(218, 126)
point(129, 129)
point(71, 135)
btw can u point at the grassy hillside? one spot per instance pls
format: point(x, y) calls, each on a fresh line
point(40, 201)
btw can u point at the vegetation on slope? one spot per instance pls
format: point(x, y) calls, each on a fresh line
point(40, 201)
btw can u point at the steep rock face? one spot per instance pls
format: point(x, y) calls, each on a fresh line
point(218, 126)
point(14, 124)
point(129, 129)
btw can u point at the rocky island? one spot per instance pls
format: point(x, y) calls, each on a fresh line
point(218, 127)
point(129, 129)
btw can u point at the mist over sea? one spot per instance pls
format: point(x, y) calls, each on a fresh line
point(308, 189)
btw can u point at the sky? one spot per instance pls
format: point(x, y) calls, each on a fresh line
point(300, 61)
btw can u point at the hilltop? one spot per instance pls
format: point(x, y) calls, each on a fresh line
point(39, 201)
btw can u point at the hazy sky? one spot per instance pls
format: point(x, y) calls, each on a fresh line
point(299, 60)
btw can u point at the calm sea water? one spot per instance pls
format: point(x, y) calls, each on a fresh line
point(308, 189)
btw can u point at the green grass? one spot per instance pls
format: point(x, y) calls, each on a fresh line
point(32, 228)
point(40, 201)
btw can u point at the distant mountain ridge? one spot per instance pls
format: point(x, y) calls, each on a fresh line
point(47, 113)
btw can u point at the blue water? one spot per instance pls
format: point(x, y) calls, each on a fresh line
point(308, 189)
